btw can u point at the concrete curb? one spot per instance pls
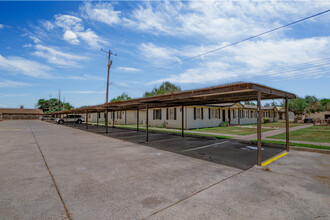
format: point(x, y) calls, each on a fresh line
point(310, 149)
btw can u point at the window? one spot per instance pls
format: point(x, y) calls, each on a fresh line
point(167, 114)
point(98, 115)
point(157, 114)
point(119, 115)
point(172, 114)
point(202, 113)
point(234, 114)
point(198, 113)
point(209, 113)
point(194, 113)
point(214, 113)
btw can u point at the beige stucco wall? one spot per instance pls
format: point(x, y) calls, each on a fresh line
point(318, 115)
point(130, 117)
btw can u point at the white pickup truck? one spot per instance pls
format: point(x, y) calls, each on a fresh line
point(70, 119)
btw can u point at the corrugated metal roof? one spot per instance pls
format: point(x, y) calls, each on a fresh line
point(21, 111)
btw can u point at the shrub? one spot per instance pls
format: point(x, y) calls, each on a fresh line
point(266, 120)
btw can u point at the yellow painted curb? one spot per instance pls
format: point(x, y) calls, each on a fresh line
point(273, 159)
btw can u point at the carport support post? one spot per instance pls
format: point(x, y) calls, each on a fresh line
point(86, 120)
point(97, 118)
point(74, 119)
point(106, 120)
point(147, 123)
point(182, 126)
point(113, 119)
point(259, 128)
point(137, 120)
point(287, 124)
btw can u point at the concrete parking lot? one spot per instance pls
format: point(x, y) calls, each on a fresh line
point(50, 171)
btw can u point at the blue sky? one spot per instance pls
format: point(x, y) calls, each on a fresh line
point(51, 46)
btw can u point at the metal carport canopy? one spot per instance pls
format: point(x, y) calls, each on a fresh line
point(218, 94)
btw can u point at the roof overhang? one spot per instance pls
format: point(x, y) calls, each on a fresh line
point(219, 94)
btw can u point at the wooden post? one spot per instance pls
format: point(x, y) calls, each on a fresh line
point(113, 119)
point(74, 119)
point(147, 124)
point(137, 120)
point(86, 120)
point(106, 121)
point(287, 131)
point(259, 128)
point(125, 117)
point(182, 126)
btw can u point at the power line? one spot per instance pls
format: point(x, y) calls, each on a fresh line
point(249, 38)
point(258, 35)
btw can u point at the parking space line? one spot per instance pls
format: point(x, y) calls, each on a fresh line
point(166, 140)
point(273, 159)
point(210, 145)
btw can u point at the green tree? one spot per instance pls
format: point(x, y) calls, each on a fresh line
point(297, 105)
point(249, 103)
point(122, 97)
point(325, 104)
point(165, 87)
point(54, 105)
point(313, 104)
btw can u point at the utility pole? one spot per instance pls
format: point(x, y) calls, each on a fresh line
point(109, 65)
point(59, 100)
point(50, 104)
point(63, 103)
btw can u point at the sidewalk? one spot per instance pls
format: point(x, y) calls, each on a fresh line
point(301, 142)
point(271, 133)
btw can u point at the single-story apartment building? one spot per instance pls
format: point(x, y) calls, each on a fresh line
point(199, 116)
point(281, 114)
point(319, 115)
point(19, 113)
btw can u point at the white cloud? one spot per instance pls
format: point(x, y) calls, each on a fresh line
point(57, 57)
point(218, 20)
point(68, 22)
point(73, 30)
point(102, 12)
point(12, 84)
point(71, 37)
point(1, 26)
point(35, 39)
point(84, 77)
point(127, 69)
point(27, 45)
point(24, 66)
point(260, 59)
point(84, 92)
point(91, 38)
point(158, 54)
point(48, 25)
point(12, 95)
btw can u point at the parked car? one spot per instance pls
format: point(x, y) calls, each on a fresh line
point(46, 117)
point(70, 119)
point(308, 120)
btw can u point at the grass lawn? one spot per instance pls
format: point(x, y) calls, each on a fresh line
point(279, 124)
point(296, 144)
point(313, 134)
point(232, 130)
